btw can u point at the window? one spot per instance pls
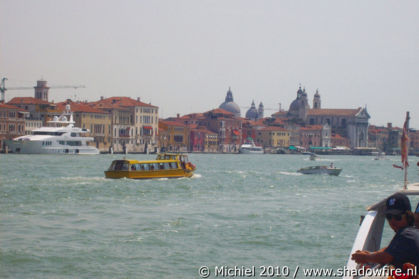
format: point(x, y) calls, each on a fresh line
point(178, 138)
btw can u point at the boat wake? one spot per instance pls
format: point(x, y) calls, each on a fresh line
point(83, 179)
point(290, 173)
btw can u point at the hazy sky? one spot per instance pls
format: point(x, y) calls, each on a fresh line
point(182, 55)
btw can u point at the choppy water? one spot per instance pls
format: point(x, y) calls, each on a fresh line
point(60, 218)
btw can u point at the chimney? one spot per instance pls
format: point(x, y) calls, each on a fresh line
point(178, 115)
point(389, 125)
point(138, 99)
point(101, 98)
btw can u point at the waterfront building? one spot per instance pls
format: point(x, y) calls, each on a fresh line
point(174, 136)
point(387, 139)
point(249, 129)
point(294, 131)
point(202, 140)
point(134, 124)
point(414, 141)
point(311, 136)
point(97, 121)
point(339, 141)
point(378, 137)
point(12, 123)
point(349, 123)
point(229, 104)
point(32, 124)
point(272, 136)
point(38, 109)
point(227, 126)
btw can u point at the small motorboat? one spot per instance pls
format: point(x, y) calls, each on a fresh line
point(166, 165)
point(313, 156)
point(249, 147)
point(330, 170)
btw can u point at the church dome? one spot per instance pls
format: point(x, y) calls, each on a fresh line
point(252, 112)
point(299, 107)
point(294, 108)
point(230, 105)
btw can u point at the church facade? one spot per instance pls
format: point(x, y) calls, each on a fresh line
point(348, 123)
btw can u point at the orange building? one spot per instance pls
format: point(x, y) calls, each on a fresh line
point(227, 126)
point(134, 124)
point(12, 123)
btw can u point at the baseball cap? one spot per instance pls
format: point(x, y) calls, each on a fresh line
point(397, 204)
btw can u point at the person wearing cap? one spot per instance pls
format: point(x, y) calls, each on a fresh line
point(404, 247)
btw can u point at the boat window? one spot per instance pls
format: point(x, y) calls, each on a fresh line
point(47, 133)
point(61, 142)
point(151, 166)
point(74, 134)
point(74, 143)
point(161, 166)
point(118, 165)
point(125, 166)
point(166, 166)
point(112, 167)
point(142, 166)
point(133, 167)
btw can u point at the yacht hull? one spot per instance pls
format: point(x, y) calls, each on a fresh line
point(250, 151)
point(36, 147)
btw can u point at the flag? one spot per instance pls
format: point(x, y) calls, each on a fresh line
point(404, 146)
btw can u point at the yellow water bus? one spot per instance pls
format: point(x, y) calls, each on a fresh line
point(166, 165)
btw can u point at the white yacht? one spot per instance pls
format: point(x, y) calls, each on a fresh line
point(59, 138)
point(249, 147)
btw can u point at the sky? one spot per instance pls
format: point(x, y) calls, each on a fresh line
point(183, 55)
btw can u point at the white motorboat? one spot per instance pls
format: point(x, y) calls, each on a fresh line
point(249, 147)
point(330, 170)
point(60, 138)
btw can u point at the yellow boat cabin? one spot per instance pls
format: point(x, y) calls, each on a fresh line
point(166, 165)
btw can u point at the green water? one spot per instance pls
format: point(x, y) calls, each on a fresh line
point(60, 218)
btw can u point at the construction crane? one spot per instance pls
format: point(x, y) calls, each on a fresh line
point(41, 84)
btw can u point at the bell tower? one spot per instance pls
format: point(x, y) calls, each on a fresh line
point(316, 100)
point(41, 90)
point(261, 111)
